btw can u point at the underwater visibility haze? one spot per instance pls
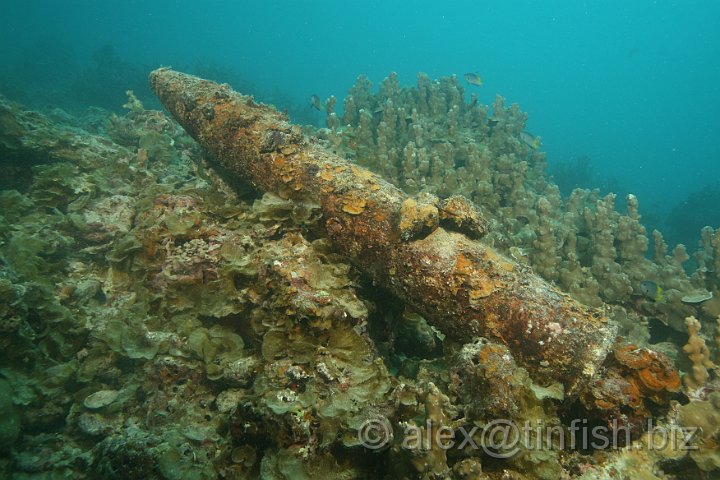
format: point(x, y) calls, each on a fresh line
point(287, 240)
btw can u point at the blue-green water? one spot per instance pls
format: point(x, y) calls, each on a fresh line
point(634, 86)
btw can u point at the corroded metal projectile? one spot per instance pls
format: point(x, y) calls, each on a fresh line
point(416, 247)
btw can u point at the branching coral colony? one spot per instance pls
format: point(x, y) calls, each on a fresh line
point(427, 139)
point(162, 326)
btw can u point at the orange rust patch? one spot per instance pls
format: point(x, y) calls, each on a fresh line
point(278, 160)
point(482, 287)
point(380, 217)
point(463, 265)
point(499, 260)
point(362, 174)
point(649, 380)
point(656, 378)
point(327, 175)
point(604, 404)
point(284, 169)
point(632, 356)
point(643, 376)
point(354, 206)
point(288, 149)
point(491, 358)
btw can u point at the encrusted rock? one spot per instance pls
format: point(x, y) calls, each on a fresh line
point(100, 399)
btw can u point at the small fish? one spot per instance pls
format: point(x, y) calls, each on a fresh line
point(315, 102)
point(473, 79)
point(651, 291)
point(530, 140)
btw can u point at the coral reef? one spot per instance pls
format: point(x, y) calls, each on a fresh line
point(428, 139)
point(463, 287)
point(161, 320)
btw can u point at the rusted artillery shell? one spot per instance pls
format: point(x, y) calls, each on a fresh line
point(462, 286)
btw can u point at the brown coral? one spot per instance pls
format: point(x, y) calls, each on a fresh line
point(699, 354)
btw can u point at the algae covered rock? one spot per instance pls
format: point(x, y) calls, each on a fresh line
point(704, 419)
point(140, 455)
point(223, 355)
point(100, 399)
point(289, 464)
